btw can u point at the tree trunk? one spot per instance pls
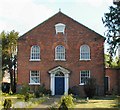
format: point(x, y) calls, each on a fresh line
point(11, 74)
point(119, 82)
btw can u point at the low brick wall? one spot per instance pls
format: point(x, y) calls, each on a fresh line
point(114, 80)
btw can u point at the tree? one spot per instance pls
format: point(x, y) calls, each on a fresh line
point(111, 20)
point(0, 59)
point(90, 87)
point(114, 63)
point(9, 45)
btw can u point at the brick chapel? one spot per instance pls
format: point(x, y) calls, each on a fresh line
point(61, 53)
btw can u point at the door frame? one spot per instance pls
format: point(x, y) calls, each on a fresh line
point(53, 72)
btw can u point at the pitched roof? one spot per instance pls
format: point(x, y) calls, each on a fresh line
point(59, 14)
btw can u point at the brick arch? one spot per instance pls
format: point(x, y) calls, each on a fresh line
point(55, 44)
point(81, 43)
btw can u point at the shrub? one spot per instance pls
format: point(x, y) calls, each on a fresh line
point(48, 92)
point(90, 87)
point(5, 87)
point(37, 94)
point(26, 97)
point(41, 91)
point(118, 101)
point(74, 90)
point(63, 106)
point(7, 103)
point(25, 89)
point(68, 100)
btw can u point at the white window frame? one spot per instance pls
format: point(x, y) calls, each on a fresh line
point(87, 75)
point(60, 28)
point(86, 52)
point(33, 54)
point(61, 53)
point(31, 83)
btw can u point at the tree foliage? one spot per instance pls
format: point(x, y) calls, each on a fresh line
point(68, 102)
point(111, 21)
point(9, 46)
point(114, 63)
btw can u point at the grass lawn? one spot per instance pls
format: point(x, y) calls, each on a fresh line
point(92, 103)
point(101, 102)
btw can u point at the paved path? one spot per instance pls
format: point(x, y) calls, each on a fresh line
point(20, 104)
point(47, 104)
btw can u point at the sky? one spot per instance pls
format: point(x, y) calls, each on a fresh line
point(23, 15)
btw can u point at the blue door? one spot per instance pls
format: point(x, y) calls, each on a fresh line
point(59, 85)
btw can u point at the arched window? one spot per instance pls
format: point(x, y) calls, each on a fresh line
point(84, 52)
point(35, 53)
point(60, 53)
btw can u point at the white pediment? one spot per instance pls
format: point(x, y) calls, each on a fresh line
point(59, 68)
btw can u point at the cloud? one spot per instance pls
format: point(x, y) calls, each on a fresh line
point(22, 15)
point(95, 3)
point(53, 1)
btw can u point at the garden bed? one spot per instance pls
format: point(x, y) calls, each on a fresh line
point(46, 101)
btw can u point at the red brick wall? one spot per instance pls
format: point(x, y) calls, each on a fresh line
point(76, 35)
point(113, 75)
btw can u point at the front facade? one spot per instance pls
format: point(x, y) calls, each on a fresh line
point(61, 53)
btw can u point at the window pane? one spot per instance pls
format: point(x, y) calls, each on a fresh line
point(34, 77)
point(35, 52)
point(84, 75)
point(84, 52)
point(60, 52)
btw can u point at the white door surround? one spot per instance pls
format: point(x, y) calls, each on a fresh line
point(53, 72)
